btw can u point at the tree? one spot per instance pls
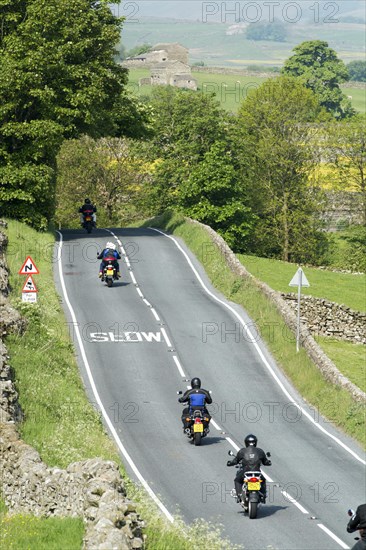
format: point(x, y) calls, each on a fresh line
point(107, 170)
point(346, 153)
point(357, 71)
point(186, 125)
point(213, 195)
point(58, 79)
point(274, 31)
point(273, 121)
point(319, 69)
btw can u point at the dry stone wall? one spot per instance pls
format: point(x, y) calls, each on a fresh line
point(329, 319)
point(314, 351)
point(91, 489)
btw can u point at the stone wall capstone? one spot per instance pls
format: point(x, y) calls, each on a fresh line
point(92, 489)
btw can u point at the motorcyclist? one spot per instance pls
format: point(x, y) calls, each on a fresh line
point(250, 458)
point(88, 209)
point(358, 523)
point(197, 398)
point(109, 253)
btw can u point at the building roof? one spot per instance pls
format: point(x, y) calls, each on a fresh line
point(164, 45)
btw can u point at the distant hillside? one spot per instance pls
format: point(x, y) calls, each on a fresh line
point(196, 10)
point(216, 44)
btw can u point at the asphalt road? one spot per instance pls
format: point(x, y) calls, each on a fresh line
point(143, 339)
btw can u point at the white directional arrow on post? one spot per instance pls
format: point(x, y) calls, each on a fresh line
point(299, 280)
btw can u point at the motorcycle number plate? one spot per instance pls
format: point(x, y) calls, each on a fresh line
point(109, 271)
point(254, 486)
point(198, 427)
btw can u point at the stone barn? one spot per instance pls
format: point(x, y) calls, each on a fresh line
point(173, 73)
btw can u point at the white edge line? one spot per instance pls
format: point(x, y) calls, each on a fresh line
point(232, 443)
point(155, 314)
point(139, 292)
point(333, 536)
point(146, 302)
point(168, 343)
point(133, 278)
point(181, 372)
point(294, 501)
point(259, 351)
point(97, 398)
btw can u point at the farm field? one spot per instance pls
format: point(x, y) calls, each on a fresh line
point(230, 89)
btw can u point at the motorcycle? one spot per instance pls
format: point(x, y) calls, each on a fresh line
point(88, 220)
point(109, 273)
point(252, 494)
point(351, 513)
point(198, 424)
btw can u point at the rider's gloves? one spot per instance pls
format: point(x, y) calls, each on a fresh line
point(229, 463)
point(269, 463)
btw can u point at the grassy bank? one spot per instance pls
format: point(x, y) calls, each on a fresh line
point(333, 402)
point(59, 422)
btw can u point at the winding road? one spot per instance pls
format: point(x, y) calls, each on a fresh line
point(145, 338)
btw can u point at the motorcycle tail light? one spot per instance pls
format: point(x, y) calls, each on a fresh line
point(254, 479)
point(198, 421)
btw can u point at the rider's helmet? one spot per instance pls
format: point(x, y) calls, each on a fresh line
point(111, 246)
point(195, 383)
point(87, 201)
point(250, 441)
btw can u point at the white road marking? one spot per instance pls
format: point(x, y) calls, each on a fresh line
point(128, 261)
point(139, 292)
point(232, 443)
point(166, 338)
point(333, 536)
point(146, 302)
point(294, 501)
point(97, 397)
point(176, 361)
point(155, 314)
point(215, 425)
point(133, 278)
point(259, 351)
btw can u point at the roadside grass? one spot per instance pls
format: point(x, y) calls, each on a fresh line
point(348, 357)
point(59, 421)
point(344, 288)
point(334, 403)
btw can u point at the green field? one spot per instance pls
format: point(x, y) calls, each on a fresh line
point(343, 288)
point(230, 89)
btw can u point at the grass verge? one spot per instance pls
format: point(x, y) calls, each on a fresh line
point(59, 421)
point(333, 402)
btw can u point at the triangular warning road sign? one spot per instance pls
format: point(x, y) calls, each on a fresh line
point(28, 268)
point(29, 285)
point(299, 278)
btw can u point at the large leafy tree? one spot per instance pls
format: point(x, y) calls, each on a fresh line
point(319, 69)
point(357, 70)
point(273, 122)
point(58, 79)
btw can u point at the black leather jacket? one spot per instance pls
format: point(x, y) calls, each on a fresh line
point(250, 458)
point(358, 521)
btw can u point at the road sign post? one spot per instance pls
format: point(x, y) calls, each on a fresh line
point(299, 280)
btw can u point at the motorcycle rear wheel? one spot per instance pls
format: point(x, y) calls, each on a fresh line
point(109, 282)
point(253, 506)
point(197, 439)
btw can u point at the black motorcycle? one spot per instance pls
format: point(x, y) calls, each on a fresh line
point(197, 422)
point(109, 273)
point(88, 223)
point(252, 494)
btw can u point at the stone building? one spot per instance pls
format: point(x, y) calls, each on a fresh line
point(174, 51)
point(173, 73)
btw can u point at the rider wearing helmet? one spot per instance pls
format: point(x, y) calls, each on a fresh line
point(250, 458)
point(88, 209)
point(110, 253)
point(197, 398)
